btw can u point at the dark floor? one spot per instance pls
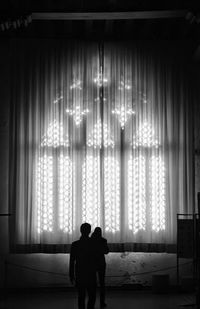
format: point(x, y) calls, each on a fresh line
point(115, 300)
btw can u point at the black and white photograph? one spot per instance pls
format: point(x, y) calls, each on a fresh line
point(99, 154)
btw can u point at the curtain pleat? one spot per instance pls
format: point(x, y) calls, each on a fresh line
point(100, 133)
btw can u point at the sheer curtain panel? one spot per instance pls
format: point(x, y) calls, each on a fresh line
point(100, 133)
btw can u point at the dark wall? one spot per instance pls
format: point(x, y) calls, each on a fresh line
point(5, 90)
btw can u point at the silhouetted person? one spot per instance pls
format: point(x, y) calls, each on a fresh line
point(100, 248)
point(82, 269)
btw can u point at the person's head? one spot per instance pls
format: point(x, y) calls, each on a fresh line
point(85, 229)
point(97, 232)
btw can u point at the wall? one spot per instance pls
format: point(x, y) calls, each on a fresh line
point(51, 270)
point(121, 267)
point(197, 143)
point(4, 146)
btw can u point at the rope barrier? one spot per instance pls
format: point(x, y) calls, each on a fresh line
point(108, 276)
point(38, 270)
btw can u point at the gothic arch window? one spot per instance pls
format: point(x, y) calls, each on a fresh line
point(101, 196)
point(54, 179)
point(146, 182)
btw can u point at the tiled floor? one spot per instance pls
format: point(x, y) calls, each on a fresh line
point(115, 300)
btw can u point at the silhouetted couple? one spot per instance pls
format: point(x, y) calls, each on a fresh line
point(87, 259)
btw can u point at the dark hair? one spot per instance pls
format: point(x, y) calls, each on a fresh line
point(97, 232)
point(85, 229)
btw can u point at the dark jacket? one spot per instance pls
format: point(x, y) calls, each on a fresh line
point(82, 262)
point(100, 248)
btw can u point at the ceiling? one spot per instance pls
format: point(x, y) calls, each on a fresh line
point(95, 5)
point(183, 26)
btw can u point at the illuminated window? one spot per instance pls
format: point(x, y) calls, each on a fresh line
point(91, 190)
point(55, 136)
point(55, 176)
point(157, 192)
point(100, 135)
point(91, 193)
point(111, 194)
point(92, 186)
point(146, 182)
point(92, 142)
point(65, 179)
point(45, 194)
point(137, 193)
point(145, 137)
point(54, 179)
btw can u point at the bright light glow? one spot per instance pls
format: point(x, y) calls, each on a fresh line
point(65, 178)
point(146, 183)
point(46, 185)
point(157, 193)
point(55, 136)
point(58, 99)
point(100, 80)
point(112, 194)
point(137, 194)
point(44, 192)
point(91, 191)
point(76, 84)
point(98, 99)
point(123, 114)
point(95, 138)
point(77, 114)
point(124, 85)
point(145, 137)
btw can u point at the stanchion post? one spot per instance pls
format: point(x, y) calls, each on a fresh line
point(177, 255)
point(5, 279)
point(198, 253)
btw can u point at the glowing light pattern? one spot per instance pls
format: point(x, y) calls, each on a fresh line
point(44, 192)
point(123, 114)
point(98, 99)
point(76, 84)
point(91, 197)
point(91, 191)
point(55, 136)
point(95, 138)
point(112, 194)
point(77, 114)
point(100, 80)
point(146, 182)
point(124, 85)
point(65, 194)
point(58, 99)
point(145, 137)
point(143, 97)
point(157, 193)
point(137, 194)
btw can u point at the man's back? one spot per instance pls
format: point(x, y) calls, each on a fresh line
point(82, 268)
point(82, 261)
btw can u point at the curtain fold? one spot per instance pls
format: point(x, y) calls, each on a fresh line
point(100, 133)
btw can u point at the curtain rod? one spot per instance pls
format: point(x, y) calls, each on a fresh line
point(108, 15)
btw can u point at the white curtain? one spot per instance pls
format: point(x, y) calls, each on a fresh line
point(100, 133)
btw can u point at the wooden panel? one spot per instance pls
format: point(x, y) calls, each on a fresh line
point(185, 238)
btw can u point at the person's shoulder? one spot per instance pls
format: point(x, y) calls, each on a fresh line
point(75, 243)
point(104, 240)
